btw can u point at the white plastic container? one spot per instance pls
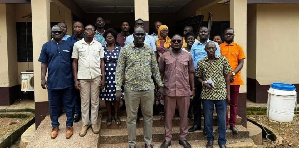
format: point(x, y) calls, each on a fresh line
point(281, 102)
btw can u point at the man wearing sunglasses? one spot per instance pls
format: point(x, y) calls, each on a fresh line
point(177, 70)
point(198, 53)
point(56, 58)
point(137, 66)
point(89, 74)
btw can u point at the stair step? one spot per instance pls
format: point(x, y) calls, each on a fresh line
point(157, 122)
point(120, 135)
point(237, 143)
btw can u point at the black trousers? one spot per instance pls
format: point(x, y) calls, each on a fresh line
point(196, 102)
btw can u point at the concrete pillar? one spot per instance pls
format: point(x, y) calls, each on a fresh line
point(69, 21)
point(40, 35)
point(141, 10)
point(238, 21)
point(9, 88)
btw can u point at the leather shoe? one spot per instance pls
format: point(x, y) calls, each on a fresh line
point(69, 132)
point(222, 146)
point(184, 143)
point(165, 144)
point(209, 144)
point(234, 129)
point(194, 128)
point(148, 146)
point(54, 132)
point(77, 117)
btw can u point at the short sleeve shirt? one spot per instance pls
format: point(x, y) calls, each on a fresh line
point(57, 56)
point(176, 73)
point(233, 53)
point(88, 56)
point(215, 70)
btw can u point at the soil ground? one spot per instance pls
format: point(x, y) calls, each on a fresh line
point(287, 133)
point(9, 124)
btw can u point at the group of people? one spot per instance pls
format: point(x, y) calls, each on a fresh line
point(182, 71)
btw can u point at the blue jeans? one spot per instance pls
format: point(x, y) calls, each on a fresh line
point(208, 108)
point(55, 97)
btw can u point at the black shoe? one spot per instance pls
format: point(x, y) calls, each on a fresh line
point(184, 143)
point(234, 129)
point(194, 128)
point(222, 146)
point(77, 117)
point(165, 144)
point(209, 144)
point(148, 146)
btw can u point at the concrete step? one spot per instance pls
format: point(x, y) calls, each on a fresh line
point(157, 122)
point(42, 138)
point(108, 136)
point(237, 143)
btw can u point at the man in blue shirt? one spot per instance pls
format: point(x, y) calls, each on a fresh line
point(198, 53)
point(149, 40)
point(56, 57)
point(78, 35)
point(64, 27)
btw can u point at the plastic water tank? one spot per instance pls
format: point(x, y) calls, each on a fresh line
point(282, 99)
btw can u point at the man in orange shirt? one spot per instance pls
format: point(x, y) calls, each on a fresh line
point(235, 55)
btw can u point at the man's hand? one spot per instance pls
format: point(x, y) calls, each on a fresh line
point(228, 98)
point(231, 78)
point(118, 95)
point(77, 85)
point(193, 93)
point(161, 90)
point(102, 85)
point(206, 85)
point(44, 83)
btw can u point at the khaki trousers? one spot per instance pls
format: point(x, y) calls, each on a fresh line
point(89, 94)
point(132, 100)
point(183, 103)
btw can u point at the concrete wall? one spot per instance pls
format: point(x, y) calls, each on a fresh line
point(251, 40)
point(220, 12)
point(277, 48)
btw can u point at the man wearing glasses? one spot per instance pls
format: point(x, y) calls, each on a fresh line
point(56, 58)
point(198, 53)
point(235, 55)
point(88, 71)
point(177, 70)
point(137, 67)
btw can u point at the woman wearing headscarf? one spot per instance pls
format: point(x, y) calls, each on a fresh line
point(163, 42)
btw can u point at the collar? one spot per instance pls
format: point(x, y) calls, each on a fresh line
point(231, 44)
point(216, 57)
point(97, 32)
point(199, 43)
point(83, 41)
point(133, 46)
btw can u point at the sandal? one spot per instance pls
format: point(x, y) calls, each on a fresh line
point(118, 121)
point(108, 121)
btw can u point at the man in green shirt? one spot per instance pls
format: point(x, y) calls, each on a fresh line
point(213, 72)
point(137, 66)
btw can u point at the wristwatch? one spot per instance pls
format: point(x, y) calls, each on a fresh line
point(233, 73)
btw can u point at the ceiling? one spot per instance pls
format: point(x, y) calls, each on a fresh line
point(127, 6)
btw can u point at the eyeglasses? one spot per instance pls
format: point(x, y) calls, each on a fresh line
point(229, 34)
point(178, 41)
point(139, 34)
point(55, 32)
point(89, 29)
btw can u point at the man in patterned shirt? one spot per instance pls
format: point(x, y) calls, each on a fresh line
point(137, 65)
point(213, 72)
